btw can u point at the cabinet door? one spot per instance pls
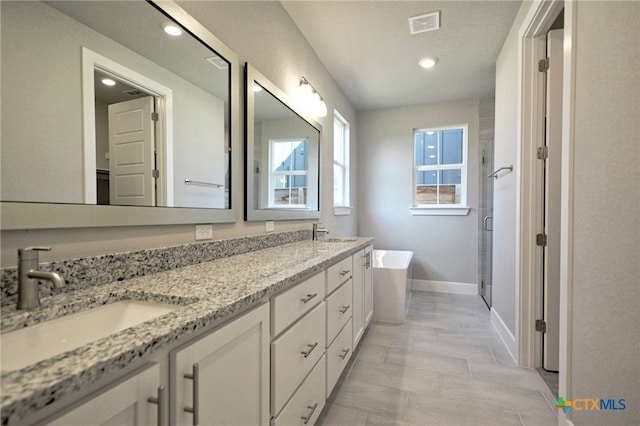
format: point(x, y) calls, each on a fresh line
point(124, 404)
point(338, 355)
point(368, 285)
point(358, 296)
point(228, 373)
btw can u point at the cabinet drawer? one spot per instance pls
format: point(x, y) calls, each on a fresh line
point(339, 309)
point(339, 273)
point(295, 302)
point(307, 403)
point(338, 355)
point(294, 354)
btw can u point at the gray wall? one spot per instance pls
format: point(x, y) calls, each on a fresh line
point(504, 275)
point(261, 33)
point(605, 343)
point(445, 247)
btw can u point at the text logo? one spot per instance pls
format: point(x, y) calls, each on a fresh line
point(590, 404)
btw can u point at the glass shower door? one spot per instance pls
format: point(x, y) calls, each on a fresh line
point(485, 219)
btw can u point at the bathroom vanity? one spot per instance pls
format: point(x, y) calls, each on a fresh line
point(256, 338)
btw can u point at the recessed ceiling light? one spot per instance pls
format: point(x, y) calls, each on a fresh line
point(171, 29)
point(428, 62)
point(108, 82)
point(257, 87)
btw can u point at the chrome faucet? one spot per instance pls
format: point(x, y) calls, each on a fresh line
point(318, 228)
point(28, 276)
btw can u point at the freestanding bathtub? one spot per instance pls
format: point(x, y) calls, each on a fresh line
point(391, 285)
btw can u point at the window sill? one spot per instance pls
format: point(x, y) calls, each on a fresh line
point(342, 210)
point(439, 211)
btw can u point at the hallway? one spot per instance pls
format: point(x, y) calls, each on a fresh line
point(445, 365)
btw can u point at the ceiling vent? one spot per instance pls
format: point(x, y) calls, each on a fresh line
point(133, 92)
point(423, 23)
point(218, 62)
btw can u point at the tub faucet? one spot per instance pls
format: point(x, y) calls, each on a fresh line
point(318, 228)
point(28, 276)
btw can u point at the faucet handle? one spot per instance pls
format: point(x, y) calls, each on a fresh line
point(31, 253)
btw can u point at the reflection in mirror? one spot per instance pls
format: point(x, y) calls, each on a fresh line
point(101, 106)
point(283, 155)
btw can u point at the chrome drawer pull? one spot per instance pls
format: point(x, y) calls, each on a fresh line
point(313, 409)
point(160, 400)
point(345, 309)
point(345, 352)
point(343, 273)
point(195, 376)
point(309, 297)
point(311, 348)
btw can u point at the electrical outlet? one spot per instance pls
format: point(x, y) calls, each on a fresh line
point(204, 232)
point(269, 226)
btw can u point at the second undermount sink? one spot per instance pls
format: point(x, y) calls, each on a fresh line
point(38, 342)
point(340, 240)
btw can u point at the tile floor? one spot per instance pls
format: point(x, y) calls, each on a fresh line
point(445, 365)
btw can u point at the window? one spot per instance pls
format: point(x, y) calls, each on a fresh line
point(340, 164)
point(288, 170)
point(440, 168)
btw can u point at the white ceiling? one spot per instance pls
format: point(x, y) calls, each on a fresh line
point(367, 48)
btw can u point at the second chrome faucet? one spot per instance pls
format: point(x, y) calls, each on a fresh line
point(318, 229)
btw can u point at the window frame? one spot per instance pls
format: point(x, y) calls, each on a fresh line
point(443, 209)
point(342, 145)
point(273, 173)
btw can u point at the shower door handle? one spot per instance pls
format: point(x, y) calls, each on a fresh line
point(484, 223)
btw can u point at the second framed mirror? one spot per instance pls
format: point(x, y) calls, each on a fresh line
point(282, 155)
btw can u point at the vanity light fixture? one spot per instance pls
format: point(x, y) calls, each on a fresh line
point(108, 82)
point(171, 29)
point(311, 98)
point(428, 62)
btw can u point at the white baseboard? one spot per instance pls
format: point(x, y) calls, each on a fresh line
point(444, 287)
point(505, 334)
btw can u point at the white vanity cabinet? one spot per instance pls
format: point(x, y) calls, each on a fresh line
point(362, 292)
point(339, 319)
point(223, 378)
point(298, 323)
point(126, 403)
point(368, 285)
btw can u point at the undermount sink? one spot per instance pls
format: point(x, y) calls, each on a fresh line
point(340, 240)
point(38, 342)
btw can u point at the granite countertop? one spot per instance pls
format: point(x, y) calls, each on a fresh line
point(209, 293)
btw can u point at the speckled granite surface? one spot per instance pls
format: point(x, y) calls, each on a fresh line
point(209, 292)
point(90, 271)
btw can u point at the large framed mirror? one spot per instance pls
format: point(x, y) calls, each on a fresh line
point(115, 113)
point(282, 155)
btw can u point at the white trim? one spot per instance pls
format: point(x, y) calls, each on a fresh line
point(539, 18)
point(342, 210)
point(439, 211)
point(529, 187)
point(346, 167)
point(92, 60)
point(507, 337)
point(444, 287)
point(567, 209)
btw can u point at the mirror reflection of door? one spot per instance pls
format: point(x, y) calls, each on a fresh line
point(131, 153)
point(125, 143)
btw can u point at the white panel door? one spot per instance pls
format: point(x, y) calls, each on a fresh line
point(229, 372)
point(132, 153)
point(368, 285)
point(358, 296)
point(553, 140)
point(124, 404)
